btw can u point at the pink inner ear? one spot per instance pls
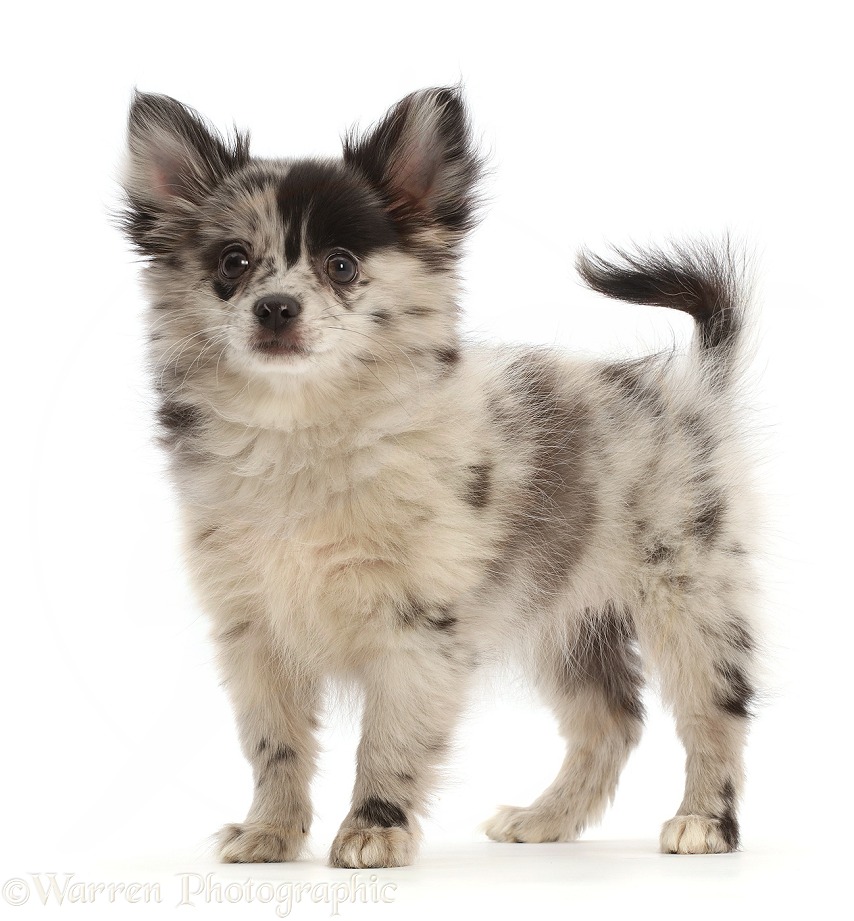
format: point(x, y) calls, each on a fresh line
point(416, 171)
point(171, 173)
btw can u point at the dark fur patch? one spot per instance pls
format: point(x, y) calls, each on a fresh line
point(375, 812)
point(337, 207)
point(659, 553)
point(178, 422)
point(727, 819)
point(272, 758)
point(448, 356)
point(222, 290)
point(604, 654)
point(737, 694)
point(709, 518)
point(235, 632)
point(699, 433)
point(627, 377)
point(738, 635)
point(479, 486)
point(551, 513)
point(415, 613)
point(282, 753)
point(381, 316)
point(411, 612)
point(442, 620)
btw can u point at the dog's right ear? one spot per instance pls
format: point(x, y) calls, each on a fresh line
point(174, 160)
point(173, 154)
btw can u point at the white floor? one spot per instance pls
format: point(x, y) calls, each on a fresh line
point(474, 879)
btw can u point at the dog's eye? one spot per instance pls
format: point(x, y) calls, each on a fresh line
point(341, 268)
point(233, 263)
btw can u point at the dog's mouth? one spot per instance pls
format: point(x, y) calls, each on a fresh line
point(274, 347)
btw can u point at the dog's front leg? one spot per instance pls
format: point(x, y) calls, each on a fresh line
point(413, 697)
point(276, 704)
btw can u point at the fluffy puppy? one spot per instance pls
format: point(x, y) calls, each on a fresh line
point(366, 500)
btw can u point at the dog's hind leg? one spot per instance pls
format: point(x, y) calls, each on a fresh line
point(593, 682)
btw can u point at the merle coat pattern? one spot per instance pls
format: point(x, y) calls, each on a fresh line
point(367, 499)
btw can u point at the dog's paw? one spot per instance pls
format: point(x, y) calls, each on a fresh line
point(257, 843)
point(372, 847)
point(694, 834)
point(527, 825)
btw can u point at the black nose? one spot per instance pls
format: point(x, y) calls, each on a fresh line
point(275, 311)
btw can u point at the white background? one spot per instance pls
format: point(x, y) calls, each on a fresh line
point(606, 121)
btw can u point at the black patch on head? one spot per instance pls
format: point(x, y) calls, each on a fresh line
point(604, 655)
point(727, 821)
point(338, 209)
point(737, 694)
point(709, 518)
point(376, 812)
point(479, 485)
point(551, 514)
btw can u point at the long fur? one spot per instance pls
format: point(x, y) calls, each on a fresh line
point(366, 499)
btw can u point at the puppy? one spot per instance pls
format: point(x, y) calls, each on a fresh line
point(368, 500)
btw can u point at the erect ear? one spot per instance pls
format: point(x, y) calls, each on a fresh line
point(422, 160)
point(173, 156)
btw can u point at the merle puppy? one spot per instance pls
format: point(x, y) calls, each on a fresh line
point(367, 499)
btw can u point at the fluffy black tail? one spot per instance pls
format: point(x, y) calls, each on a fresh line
point(702, 279)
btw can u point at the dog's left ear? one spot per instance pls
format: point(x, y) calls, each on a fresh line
point(423, 162)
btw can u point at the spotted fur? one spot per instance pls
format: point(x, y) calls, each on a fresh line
point(367, 499)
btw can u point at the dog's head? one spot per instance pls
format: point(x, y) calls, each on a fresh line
point(302, 267)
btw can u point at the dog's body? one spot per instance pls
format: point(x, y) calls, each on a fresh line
point(365, 499)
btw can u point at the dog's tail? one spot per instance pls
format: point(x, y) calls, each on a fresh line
point(703, 279)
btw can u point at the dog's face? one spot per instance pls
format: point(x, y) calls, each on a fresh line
point(299, 267)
